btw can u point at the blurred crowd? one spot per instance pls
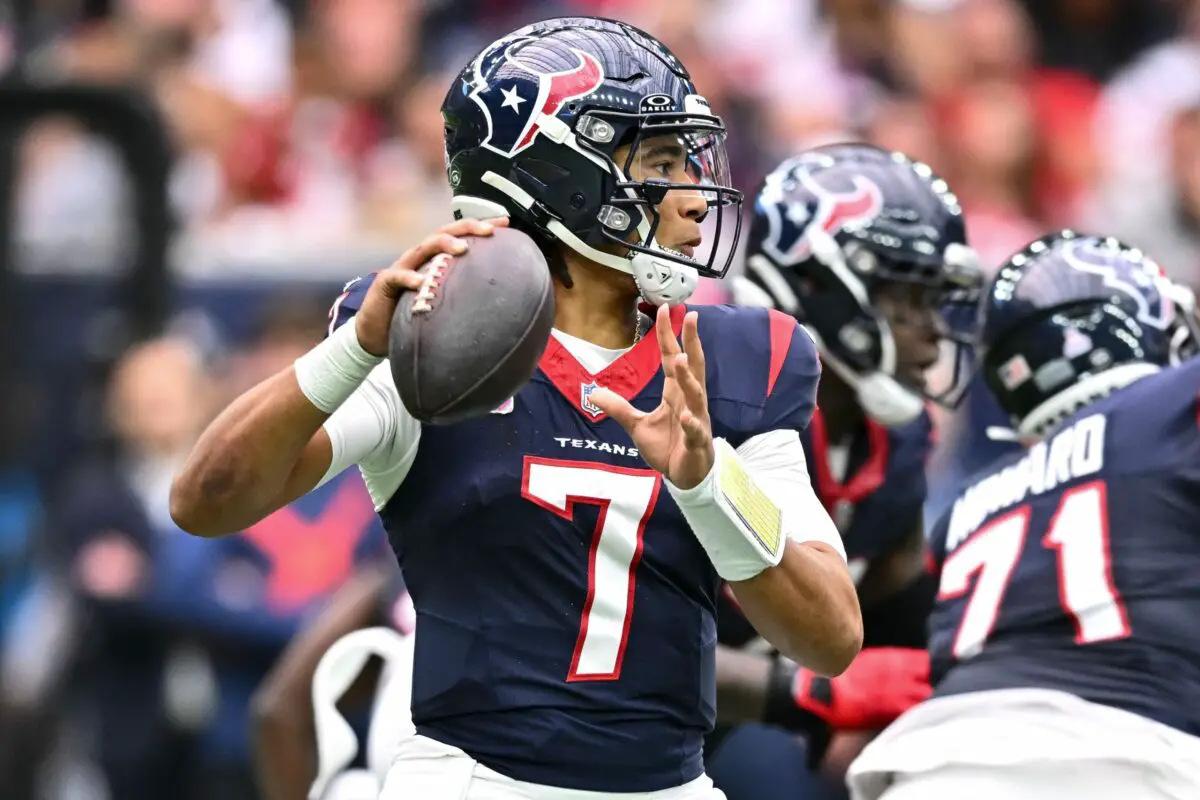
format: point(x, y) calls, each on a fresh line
point(130, 652)
point(307, 124)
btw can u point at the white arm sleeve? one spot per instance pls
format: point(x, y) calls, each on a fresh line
point(776, 460)
point(374, 430)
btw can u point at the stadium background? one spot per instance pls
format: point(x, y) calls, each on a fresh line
point(188, 183)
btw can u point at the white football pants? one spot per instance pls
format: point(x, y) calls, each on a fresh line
point(1026, 744)
point(1049, 781)
point(428, 770)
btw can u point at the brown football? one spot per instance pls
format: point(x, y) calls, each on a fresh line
point(472, 336)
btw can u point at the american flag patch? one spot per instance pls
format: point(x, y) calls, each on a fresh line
point(1014, 372)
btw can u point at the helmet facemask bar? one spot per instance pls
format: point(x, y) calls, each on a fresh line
point(955, 286)
point(950, 286)
point(958, 364)
point(691, 149)
point(1185, 333)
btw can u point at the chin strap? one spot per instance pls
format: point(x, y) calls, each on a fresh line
point(884, 400)
point(881, 396)
point(659, 280)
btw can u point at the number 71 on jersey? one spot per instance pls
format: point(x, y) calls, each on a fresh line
point(1078, 536)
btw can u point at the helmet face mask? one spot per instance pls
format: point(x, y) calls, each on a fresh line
point(667, 152)
point(939, 316)
point(560, 125)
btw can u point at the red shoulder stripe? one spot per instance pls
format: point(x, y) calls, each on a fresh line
point(781, 328)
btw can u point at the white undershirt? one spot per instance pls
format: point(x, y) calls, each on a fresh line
point(592, 357)
point(374, 431)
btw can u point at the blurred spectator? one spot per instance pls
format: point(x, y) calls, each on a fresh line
point(111, 527)
point(302, 554)
point(926, 51)
point(993, 150)
point(24, 600)
point(1140, 140)
point(286, 327)
point(179, 631)
point(1164, 219)
point(1097, 37)
point(311, 157)
point(906, 124)
point(405, 191)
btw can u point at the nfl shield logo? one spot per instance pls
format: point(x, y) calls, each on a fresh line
point(504, 408)
point(585, 401)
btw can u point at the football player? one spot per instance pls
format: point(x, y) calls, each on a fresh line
point(597, 514)
point(1064, 647)
point(866, 248)
point(325, 661)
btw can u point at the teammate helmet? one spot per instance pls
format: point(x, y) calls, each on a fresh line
point(833, 223)
point(532, 125)
point(1072, 318)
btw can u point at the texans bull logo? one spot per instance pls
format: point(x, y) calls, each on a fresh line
point(1138, 281)
point(514, 100)
point(811, 206)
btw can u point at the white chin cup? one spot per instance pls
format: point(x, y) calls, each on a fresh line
point(663, 281)
point(884, 400)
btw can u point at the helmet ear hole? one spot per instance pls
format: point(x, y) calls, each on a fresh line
point(542, 171)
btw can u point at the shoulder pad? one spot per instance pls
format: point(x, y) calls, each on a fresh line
point(793, 373)
point(762, 368)
point(348, 302)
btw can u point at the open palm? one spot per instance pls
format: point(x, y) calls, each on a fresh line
point(676, 437)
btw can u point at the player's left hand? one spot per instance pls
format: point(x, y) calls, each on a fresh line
point(881, 684)
point(675, 438)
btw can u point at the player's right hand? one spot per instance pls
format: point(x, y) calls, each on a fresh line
point(881, 684)
point(374, 317)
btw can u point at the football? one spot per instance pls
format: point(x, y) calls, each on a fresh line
point(472, 335)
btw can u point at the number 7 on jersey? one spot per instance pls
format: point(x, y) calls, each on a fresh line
point(626, 497)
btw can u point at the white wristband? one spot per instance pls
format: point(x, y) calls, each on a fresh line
point(739, 527)
point(332, 371)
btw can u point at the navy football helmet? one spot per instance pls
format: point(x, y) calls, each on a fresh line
point(1070, 319)
point(830, 226)
point(532, 125)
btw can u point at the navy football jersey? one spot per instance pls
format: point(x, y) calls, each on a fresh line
point(565, 611)
point(1072, 565)
point(877, 507)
